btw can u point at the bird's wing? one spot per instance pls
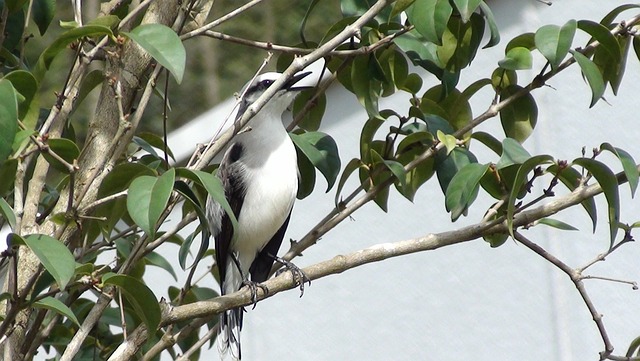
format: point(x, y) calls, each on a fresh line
point(234, 190)
point(261, 266)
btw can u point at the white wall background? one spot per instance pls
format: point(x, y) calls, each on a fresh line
point(466, 301)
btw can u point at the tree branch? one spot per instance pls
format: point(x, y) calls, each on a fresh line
point(367, 49)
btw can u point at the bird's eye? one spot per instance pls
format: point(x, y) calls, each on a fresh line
point(265, 83)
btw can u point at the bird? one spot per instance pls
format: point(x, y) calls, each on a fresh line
point(259, 173)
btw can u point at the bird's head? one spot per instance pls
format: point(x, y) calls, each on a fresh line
point(283, 97)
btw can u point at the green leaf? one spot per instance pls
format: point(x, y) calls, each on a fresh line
point(611, 16)
point(7, 175)
point(572, 179)
point(43, 12)
point(121, 177)
point(310, 120)
point(526, 40)
point(494, 38)
point(633, 346)
point(554, 41)
point(412, 84)
point(616, 72)
point(164, 45)
point(157, 260)
point(475, 87)
point(215, 190)
point(455, 103)
point(410, 148)
point(156, 142)
point(593, 75)
point(56, 305)
point(140, 297)
point(351, 167)
point(110, 21)
point(520, 180)
point(307, 175)
point(512, 153)
point(395, 68)
point(14, 31)
point(303, 23)
point(7, 213)
point(519, 117)
point(359, 7)
point(503, 78)
point(21, 140)
point(628, 165)
point(430, 18)
point(61, 43)
point(463, 189)
point(399, 6)
point(8, 117)
point(185, 244)
point(322, 152)
point(54, 256)
point(90, 81)
point(518, 58)
point(14, 5)
point(489, 141)
point(366, 88)
point(609, 56)
point(447, 167)
point(602, 34)
point(394, 167)
point(421, 53)
point(460, 42)
point(147, 199)
point(25, 84)
point(609, 185)
point(496, 239)
point(213, 186)
point(466, 8)
point(66, 149)
point(185, 248)
point(556, 224)
point(448, 140)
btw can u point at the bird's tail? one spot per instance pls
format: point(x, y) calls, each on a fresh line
point(229, 333)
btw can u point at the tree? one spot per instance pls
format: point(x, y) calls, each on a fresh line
point(71, 203)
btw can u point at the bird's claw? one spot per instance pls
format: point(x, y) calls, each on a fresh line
point(298, 275)
point(253, 287)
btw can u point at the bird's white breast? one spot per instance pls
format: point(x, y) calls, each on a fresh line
point(269, 162)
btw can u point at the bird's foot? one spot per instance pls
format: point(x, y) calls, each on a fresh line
point(298, 275)
point(253, 287)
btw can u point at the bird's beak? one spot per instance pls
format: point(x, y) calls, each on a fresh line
point(289, 85)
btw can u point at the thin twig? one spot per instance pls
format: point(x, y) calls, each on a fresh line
point(103, 200)
point(633, 284)
point(169, 340)
point(367, 49)
point(196, 346)
point(123, 320)
point(576, 278)
point(221, 20)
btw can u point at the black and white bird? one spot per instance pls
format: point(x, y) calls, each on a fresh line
point(259, 172)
